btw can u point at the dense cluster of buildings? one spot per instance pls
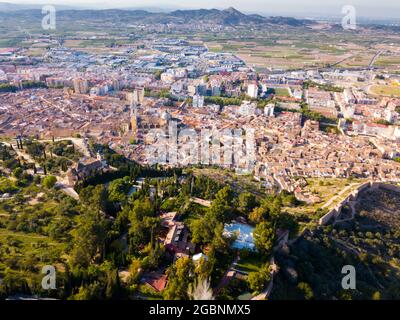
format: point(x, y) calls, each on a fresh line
point(119, 98)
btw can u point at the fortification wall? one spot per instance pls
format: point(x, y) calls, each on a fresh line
point(354, 196)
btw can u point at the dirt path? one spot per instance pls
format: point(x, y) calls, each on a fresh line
point(78, 142)
point(201, 202)
point(331, 200)
point(61, 183)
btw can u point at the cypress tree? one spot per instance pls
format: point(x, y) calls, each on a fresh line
point(113, 285)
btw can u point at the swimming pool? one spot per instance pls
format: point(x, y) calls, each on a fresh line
point(244, 234)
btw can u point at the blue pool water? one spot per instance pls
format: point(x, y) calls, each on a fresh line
point(244, 234)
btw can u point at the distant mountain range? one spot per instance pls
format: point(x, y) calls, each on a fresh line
point(9, 7)
point(227, 17)
point(231, 17)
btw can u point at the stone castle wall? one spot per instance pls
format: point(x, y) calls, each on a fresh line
point(354, 197)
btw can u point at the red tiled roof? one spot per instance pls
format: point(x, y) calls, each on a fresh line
point(158, 283)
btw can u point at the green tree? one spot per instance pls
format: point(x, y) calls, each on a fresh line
point(208, 230)
point(49, 182)
point(135, 270)
point(89, 238)
point(200, 231)
point(224, 196)
point(247, 202)
point(113, 287)
point(94, 197)
point(142, 223)
point(18, 172)
point(264, 237)
point(222, 206)
point(92, 291)
point(306, 289)
point(203, 268)
point(257, 215)
point(180, 277)
point(118, 189)
point(256, 281)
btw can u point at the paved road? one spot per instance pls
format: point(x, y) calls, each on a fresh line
point(341, 60)
point(375, 57)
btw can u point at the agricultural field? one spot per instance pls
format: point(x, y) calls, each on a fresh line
point(388, 61)
point(297, 50)
point(386, 90)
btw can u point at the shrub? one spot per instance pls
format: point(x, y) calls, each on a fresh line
point(49, 182)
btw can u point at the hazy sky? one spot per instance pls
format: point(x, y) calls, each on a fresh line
point(365, 7)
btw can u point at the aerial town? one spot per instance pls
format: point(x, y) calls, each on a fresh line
point(180, 167)
point(118, 106)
